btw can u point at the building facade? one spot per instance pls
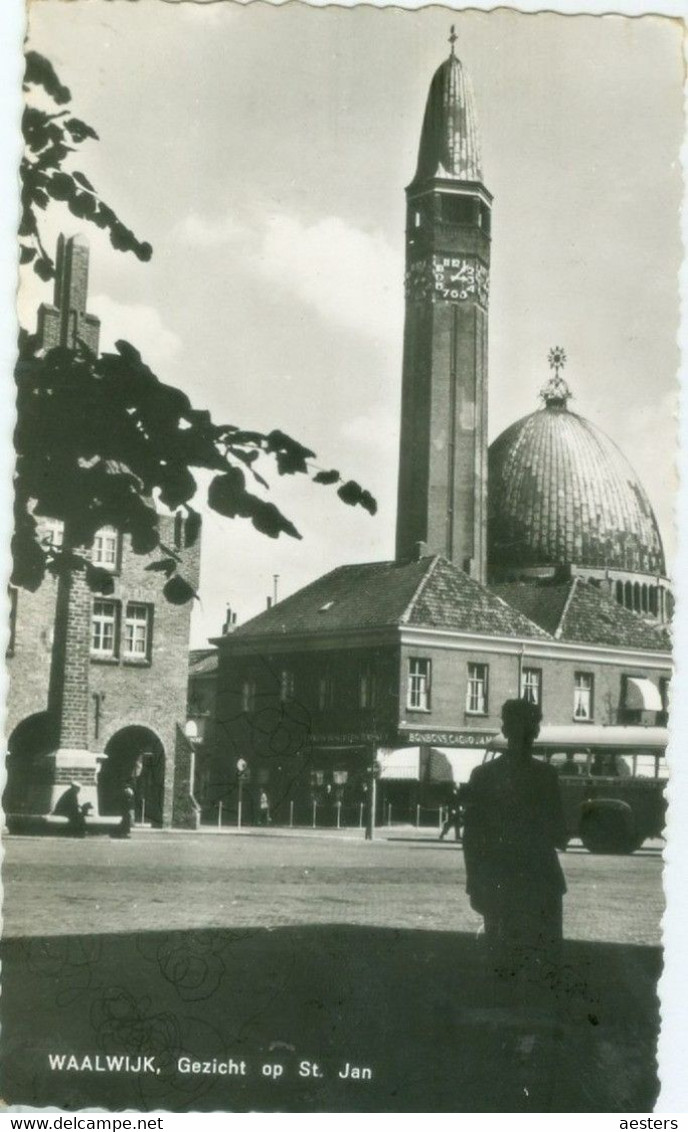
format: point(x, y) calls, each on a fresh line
point(98, 680)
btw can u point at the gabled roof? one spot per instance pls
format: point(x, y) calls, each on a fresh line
point(430, 592)
point(202, 661)
point(579, 612)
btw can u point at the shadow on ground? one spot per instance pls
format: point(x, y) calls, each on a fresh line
point(413, 1006)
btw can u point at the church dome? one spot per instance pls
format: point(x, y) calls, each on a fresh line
point(449, 142)
point(562, 494)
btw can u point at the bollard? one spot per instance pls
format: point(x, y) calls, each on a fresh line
point(339, 814)
point(360, 815)
point(291, 814)
point(417, 816)
point(389, 814)
point(315, 808)
point(219, 815)
point(440, 818)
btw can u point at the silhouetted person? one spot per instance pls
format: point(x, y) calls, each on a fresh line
point(569, 768)
point(513, 826)
point(68, 806)
point(127, 803)
point(455, 813)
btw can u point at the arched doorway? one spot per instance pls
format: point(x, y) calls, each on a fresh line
point(30, 773)
point(134, 757)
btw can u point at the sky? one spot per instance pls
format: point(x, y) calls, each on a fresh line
point(264, 152)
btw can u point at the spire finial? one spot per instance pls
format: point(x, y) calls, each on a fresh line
point(556, 392)
point(453, 38)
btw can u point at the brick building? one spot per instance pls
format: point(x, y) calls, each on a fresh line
point(534, 569)
point(98, 682)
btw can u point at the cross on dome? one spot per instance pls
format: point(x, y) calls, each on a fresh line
point(556, 392)
point(453, 38)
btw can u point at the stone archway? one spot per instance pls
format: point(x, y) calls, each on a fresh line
point(30, 771)
point(135, 757)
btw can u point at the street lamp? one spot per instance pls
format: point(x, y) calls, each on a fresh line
point(374, 768)
point(241, 767)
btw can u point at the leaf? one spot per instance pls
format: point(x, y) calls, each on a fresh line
point(178, 486)
point(163, 566)
point(80, 130)
point(327, 477)
point(26, 254)
point(178, 591)
point(270, 521)
point(44, 268)
point(227, 493)
point(82, 180)
point(99, 580)
point(353, 494)
point(39, 71)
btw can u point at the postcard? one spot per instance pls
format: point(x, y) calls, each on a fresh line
point(343, 557)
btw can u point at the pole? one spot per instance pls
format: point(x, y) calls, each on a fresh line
point(315, 807)
point(219, 814)
point(241, 783)
point(389, 813)
point(339, 815)
point(372, 796)
point(291, 814)
point(417, 816)
point(360, 815)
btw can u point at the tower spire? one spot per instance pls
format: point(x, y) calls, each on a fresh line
point(452, 39)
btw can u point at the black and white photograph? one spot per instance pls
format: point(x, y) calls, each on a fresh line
point(339, 760)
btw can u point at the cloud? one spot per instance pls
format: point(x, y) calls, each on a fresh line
point(349, 277)
point(201, 233)
point(137, 323)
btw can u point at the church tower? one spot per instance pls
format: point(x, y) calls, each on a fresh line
point(442, 503)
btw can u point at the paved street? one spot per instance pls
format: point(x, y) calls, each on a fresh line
point(286, 947)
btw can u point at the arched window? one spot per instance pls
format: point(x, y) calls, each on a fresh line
point(643, 599)
point(619, 593)
point(628, 595)
point(636, 596)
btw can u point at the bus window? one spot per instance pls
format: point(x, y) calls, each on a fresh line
point(573, 764)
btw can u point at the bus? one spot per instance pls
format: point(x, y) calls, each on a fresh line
point(612, 781)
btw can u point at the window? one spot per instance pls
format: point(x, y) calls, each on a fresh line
point(105, 547)
point(137, 631)
point(53, 532)
point(366, 686)
point(325, 690)
point(664, 691)
point(476, 691)
point(286, 685)
point(531, 685)
point(418, 698)
point(583, 696)
point(103, 628)
point(248, 695)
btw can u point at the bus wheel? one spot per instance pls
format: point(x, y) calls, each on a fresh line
point(607, 831)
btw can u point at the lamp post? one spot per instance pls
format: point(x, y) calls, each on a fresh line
point(373, 775)
point(241, 771)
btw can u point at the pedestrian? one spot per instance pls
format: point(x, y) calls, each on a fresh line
point(68, 806)
point(127, 813)
point(453, 818)
point(514, 824)
point(264, 806)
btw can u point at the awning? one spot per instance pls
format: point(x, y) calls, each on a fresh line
point(642, 695)
point(402, 764)
point(437, 765)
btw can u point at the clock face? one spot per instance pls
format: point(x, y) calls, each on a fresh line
point(452, 279)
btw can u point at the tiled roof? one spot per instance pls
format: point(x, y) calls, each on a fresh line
point(594, 618)
point(562, 493)
point(579, 612)
point(449, 599)
point(430, 592)
point(543, 603)
point(202, 661)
